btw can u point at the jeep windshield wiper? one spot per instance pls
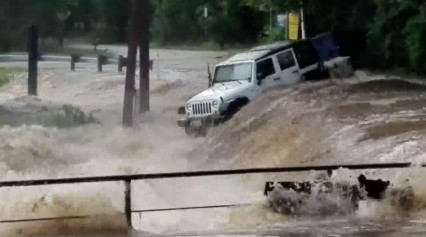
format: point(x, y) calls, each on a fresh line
point(222, 81)
point(243, 79)
point(236, 80)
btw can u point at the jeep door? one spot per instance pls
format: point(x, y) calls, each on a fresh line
point(266, 74)
point(290, 72)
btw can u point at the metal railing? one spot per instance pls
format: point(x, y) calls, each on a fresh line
point(127, 179)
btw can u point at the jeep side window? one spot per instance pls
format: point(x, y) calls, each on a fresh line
point(286, 60)
point(265, 67)
point(305, 54)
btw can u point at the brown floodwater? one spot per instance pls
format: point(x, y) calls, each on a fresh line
point(349, 121)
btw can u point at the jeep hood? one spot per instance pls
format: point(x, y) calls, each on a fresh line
point(226, 90)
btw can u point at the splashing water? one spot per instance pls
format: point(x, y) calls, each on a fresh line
point(319, 123)
point(323, 123)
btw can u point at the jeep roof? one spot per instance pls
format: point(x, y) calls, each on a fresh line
point(260, 52)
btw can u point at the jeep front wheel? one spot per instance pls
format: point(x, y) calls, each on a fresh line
point(190, 131)
point(196, 132)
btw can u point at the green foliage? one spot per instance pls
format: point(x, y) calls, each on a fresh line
point(398, 34)
point(276, 5)
point(4, 77)
point(228, 22)
point(82, 52)
point(177, 21)
point(396, 28)
point(110, 20)
point(6, 72)
point(276, 34)
point(17, 15)
point(219, 28)
point(415, 41)
point(69, 116)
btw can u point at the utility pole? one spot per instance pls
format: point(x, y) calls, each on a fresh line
point(132, 45)
point(270, 17)
point(302, 20)
point(32, 60)
point(144, 103)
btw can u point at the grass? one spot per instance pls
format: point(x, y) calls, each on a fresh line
point(50, 48)
point(163, 89)
point(5, 73)
point(204, 46)
point(68, 116)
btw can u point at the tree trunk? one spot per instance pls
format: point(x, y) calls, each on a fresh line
point(134, 37)
point(33, 57)
point(144, 58)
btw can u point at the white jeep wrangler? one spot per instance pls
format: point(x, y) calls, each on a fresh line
point(243, 77)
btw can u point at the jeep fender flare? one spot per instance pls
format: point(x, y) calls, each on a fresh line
point(236, 105)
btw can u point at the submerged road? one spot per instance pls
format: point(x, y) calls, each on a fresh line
point(311, 124)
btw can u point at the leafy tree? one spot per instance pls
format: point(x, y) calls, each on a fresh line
point(398, 33)
point(112, 20)
point(177, 21)
point(415, 32)
point(18, 15)
point(396, 29)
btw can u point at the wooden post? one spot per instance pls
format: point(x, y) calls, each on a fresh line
point(128, 202)
point(72, 67)
point(209, 77)
point(120, 63)
point(99, 64)
point(74, 60)
point(101, 61)
point(134, 37)
point(33, 57)
point(145, 62)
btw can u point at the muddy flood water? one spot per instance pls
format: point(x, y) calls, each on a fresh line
point(364, 119)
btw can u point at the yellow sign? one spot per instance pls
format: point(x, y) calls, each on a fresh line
point(293, 26)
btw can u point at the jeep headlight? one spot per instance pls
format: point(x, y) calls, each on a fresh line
point(215, 103)
point(188, 106)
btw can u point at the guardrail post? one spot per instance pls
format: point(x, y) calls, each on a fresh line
point(122, 62)
point(120, 59)
point(33, 57)
point(74, 60)
point(151, 64)
point(102, 59)
point(128, 202)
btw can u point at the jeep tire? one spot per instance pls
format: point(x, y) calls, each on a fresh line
point(234, 107)
point(197, 132)
point(192, 132)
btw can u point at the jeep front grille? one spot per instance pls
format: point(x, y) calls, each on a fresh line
point(202, 108)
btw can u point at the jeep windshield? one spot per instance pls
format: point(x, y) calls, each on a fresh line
point(233, 72)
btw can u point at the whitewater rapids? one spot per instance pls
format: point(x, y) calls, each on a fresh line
point(357, 120)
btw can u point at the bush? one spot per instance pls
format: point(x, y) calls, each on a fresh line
point(4, 77)
point(6, 72)
point(276, 34)
point(398, 34)
point(69, 116)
